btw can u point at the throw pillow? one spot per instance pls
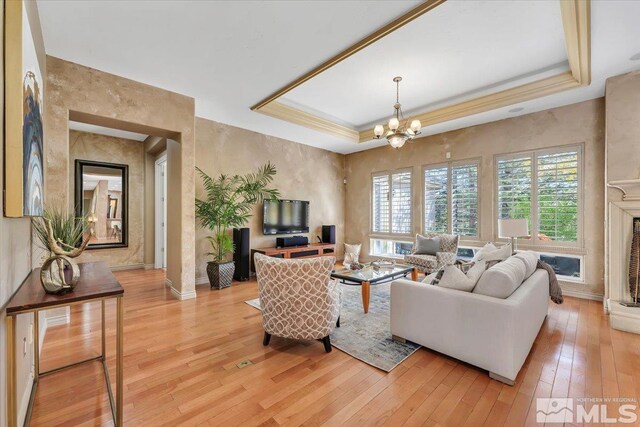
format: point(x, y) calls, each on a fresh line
point(502, 280)
point(427, 246)
point(499, 254)
point(454, 278)
point(489, 247)
point(351, 253)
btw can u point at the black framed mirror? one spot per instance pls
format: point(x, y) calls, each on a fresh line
point(101, 196)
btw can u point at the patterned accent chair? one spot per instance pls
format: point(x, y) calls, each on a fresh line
point(447, 255)
point(299, 300)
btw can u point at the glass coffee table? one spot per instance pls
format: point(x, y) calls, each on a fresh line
point(371, 276)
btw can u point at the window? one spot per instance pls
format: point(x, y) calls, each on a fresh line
point(451, 199)
point(542, 187)
point(391, 203)
point(390, 248)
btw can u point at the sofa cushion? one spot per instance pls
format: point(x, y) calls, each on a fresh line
point(502, 279)
point(530, 260)
point(428, 262)
point(426, 245)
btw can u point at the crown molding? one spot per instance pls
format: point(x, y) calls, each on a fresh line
point(294, 115)
point(576, 22)
point(414, 13)
point(492, 101)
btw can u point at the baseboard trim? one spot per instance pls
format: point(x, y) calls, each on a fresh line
point(582, 295)
point(62, 319)
point(204, 280)
point(183, 295)
point(149, 266)
point(139, 266)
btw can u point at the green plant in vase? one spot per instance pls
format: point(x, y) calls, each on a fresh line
point(229, 204)
point(64, 236)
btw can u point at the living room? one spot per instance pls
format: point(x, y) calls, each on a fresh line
point(474, 197)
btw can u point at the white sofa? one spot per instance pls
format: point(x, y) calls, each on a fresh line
point(491, 333)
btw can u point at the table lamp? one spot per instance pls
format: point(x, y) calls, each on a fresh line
point(513, 228)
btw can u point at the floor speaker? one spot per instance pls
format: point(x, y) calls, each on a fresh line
point(329, 234)
point(241, 255)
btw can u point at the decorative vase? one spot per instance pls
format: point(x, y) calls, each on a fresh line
point(59, 274)
point(220, 274)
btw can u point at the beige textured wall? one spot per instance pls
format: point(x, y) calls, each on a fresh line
point(303, 172)
point(15, 244)
point(118, 102)
point(101, 148)
point(622, 131)
point(574, 124)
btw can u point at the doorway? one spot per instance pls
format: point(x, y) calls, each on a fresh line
point(160, 211)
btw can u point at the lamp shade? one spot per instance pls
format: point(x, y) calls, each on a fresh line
point(513, 227)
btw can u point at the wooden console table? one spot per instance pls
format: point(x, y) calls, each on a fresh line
point(96, 283)
point(306, 251)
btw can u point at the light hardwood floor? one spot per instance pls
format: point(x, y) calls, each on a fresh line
point(180, 368)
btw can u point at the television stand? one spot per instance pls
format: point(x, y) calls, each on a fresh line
point(306, 251)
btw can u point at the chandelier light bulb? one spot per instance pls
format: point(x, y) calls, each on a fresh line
point(378, 131)
point(394, 123)
point(416, 125)
point(396, 141)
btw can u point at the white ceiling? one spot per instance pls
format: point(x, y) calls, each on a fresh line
point(446, 54)
point(100, 130)
point(229, 55)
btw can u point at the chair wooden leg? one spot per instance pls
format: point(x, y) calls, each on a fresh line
point(327, 344)
point(338, 322)
point(266, 339)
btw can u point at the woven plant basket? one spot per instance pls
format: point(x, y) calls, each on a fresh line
point(220, 274)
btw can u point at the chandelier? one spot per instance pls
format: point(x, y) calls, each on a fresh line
point(398, 132)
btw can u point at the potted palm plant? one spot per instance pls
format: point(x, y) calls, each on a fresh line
point(229, 204)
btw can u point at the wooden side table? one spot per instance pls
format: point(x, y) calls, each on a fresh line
point(96, 283)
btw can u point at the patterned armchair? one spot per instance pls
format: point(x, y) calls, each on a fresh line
point(446, 256)
point(299, 300)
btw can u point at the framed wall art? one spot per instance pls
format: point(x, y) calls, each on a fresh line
point(24, 111)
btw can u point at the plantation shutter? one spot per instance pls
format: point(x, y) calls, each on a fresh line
point(464, 200)
point(381, 204)
point(436, 195)
point(401, 203)
point(558, 196)
point(514, 187)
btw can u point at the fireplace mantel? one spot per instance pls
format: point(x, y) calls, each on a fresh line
point(620, 234)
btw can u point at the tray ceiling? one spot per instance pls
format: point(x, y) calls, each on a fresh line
point(255, 48)
point(454, 52)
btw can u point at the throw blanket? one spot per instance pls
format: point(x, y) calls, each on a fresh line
point(555, 293)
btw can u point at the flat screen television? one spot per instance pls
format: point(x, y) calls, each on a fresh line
point(285, 217)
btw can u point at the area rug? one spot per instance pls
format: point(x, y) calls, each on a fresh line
point(366, 337)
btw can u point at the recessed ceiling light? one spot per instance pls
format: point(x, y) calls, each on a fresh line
point(635, 57)
point(516, 110)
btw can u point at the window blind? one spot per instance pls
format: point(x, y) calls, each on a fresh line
point(381, 203)
point(558, 196)
point(401, 203)
point(464, 200)
point(436, 196)
point(514, 187)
